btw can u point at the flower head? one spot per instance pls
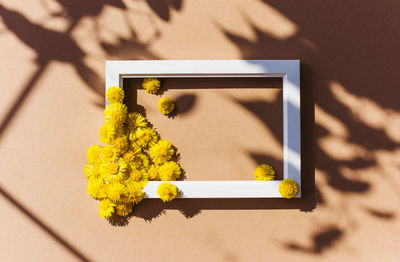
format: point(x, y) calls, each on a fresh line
point(120, 144)
point(116, 114)
point(114, 171)
point(108, 154)
point(135, 193)
point(161, 152)
point(115, 94)
point(288, 188)
point(169, 171)
point(153, 173)
point(96, 188)
point(106, 208)
point(92, 170)
point(145, 137)
point(151, 85)
point(93, 153)
point(137, 175)
point(167, 191)
point(139, 161)
point(135, 120)
point(124, 209)
point(264, 172)
point(107, 133)
point(166, 105)
point(115, 191)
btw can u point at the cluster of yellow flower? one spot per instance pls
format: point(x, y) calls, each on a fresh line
point(132, 155)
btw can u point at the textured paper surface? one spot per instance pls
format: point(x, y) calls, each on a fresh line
point(222, 127)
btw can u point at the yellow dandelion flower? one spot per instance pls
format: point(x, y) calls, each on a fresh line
point(96, 188)
point(93, 153)
point(161, 152)
point(166, 105)
point(116, 114)
point(115, 94)
point(151, 85)
point(124, 209)
point(140, 161)
point(107, 133)
point(106, 208)
point(264, 172)
point(92, 170)
point(145, 137)
point(167, 191)
point(169, 171)
point(153, 173)
point(114, 171)
point(129, 156)
point(120, 144)
point(135, 120)
point(137, 175)
point(288, 188)
point(135, 193)
point(116, 190)
point(108, 154)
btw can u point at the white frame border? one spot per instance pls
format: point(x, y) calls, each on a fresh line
point(288, 70)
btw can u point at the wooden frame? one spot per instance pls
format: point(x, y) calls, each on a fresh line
point(288, 70)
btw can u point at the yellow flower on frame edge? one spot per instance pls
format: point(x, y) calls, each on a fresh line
point(107, 133)
point(115, 94)
point(166, 105)
point(145, 136)
point(169, 171)
point(167, 191)
point(116, 113)
point(151, 85)
point(264, 172)
point(135, 120)
point(288, 188)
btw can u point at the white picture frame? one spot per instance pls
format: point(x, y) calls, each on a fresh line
point(288, 70)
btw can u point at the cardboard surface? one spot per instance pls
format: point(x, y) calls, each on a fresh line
point(223, 128)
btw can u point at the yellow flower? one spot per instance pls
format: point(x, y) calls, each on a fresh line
point(140, 161)
point(161, 152)
point(264, 172)
point(135, 193)
point(169, 171)
point(106, 208)
point(137, 175)
point(93, 153)
point(114, 171)
point(92, 170)
point(135, 120)
point(116, 114)
point(107, 133)
point(124, 209)
point(166, 105)
point(153, 173)
point(151, 85)
point(145, 137)
point(115, 94)
point(167, 191)
point(96, 188)
point(108, 154)
point(120, 144)
point(288, 188)
point(115, 191)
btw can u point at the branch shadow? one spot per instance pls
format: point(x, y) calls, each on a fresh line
point(73, 250)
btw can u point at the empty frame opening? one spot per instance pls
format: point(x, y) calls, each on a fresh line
point(223, 128)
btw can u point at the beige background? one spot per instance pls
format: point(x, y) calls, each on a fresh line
point(52, 70)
